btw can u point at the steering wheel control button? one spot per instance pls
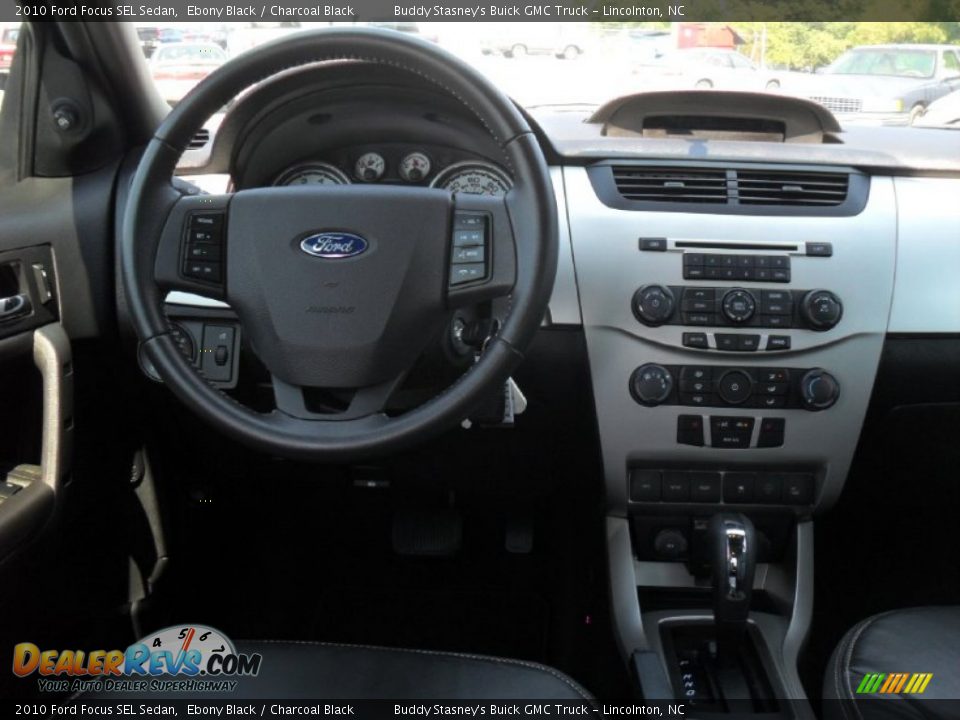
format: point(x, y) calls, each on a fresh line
point(474, 254)
point(467, 238)
point(203, 252)
point(696, 340)
point(735, 387)
point(208, 271)
point(819, 249)
point(676, 487)
point(644, 485)
point(653, 304)
point(468, 257)
point(771, 432)
point(738, 487)
point(690, 430)
point(738, 306)
point(705, 486)
point(468, 272)
point(651, 384)
point(778, 342)
point(821, 309)
point(653, 244)
point(730, 432)
point(819, 389)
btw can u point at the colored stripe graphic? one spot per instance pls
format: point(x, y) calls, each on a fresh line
point(894, 683)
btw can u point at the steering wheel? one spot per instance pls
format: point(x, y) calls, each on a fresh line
point(340, 287)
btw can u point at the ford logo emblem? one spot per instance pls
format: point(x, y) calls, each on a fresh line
point(334, 245)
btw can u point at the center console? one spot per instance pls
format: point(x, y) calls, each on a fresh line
point(732, 359)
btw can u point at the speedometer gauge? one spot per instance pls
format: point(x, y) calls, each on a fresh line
point(473, 178)
point(313, 174)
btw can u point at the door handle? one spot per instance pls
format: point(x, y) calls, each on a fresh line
point(14, 306)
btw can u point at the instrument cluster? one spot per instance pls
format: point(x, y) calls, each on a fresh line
point(400, 164)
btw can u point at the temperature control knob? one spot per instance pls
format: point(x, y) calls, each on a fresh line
point(738, 306)
point(821, 309)
point(651, 384)
point(653, 304)
point(819, 389)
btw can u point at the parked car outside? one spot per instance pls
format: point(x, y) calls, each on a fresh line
point(554, 39)
point(707, 68)
point(177, 68)
point(944, 112)
point(8, 48)
point(884, 84)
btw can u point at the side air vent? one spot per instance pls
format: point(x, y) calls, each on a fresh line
point(679, 185)
point(795, 189)
point(199, 140)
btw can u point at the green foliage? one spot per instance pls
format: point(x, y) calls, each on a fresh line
point(810, 45)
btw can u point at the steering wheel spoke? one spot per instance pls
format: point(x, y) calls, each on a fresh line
point(483, 255)
point(192, 250)
point(329, 405)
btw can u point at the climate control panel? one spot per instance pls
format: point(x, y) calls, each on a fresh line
point(716, 386)
point(655, 305)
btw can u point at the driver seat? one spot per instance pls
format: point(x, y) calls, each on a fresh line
point(302, 669)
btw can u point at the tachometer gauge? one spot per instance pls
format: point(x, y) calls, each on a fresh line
point(313, 174)
point(473, 178)
point(414, 167)
point(370, 167)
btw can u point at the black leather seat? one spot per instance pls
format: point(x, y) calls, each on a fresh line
point(292, 669)
point(914, 640)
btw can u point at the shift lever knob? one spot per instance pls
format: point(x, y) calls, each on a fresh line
point(734, 554)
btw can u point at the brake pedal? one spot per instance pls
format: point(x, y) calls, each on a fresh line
point(427, 533)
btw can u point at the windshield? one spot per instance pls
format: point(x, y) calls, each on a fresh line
point(886, 61)
point(583, 65)
point(184, 54)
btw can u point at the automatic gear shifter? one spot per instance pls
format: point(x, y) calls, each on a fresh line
point(733, 555)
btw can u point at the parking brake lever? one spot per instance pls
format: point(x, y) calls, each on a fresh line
point(14, 306)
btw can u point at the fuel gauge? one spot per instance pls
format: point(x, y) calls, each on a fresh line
point(370, 167)
point(414, 167)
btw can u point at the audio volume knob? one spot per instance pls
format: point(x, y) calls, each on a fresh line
point(819, 389)
point(653, 304)
point(651, 384)
point(738, 306)
point(821, 309)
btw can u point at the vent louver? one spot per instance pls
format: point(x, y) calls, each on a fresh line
point(797, 189)
point(768, 188)
point(199, 140)
point(680, 185)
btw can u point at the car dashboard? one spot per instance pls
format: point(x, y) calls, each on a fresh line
point(736, 264)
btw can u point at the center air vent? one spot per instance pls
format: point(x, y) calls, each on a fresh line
point(798, 189)
point(745, 189)
point(200, 139)
point(679, 185)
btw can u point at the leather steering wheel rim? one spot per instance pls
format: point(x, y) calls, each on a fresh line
point(533, 217)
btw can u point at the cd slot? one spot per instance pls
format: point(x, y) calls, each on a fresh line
point(734, 246)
